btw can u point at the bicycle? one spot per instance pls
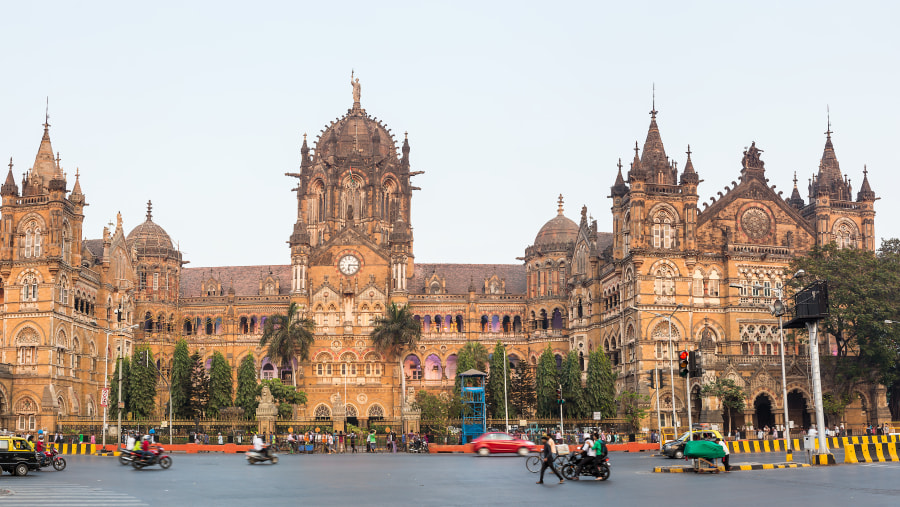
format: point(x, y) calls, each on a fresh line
point(533, 463)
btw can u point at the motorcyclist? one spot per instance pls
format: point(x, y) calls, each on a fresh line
point(258, 446)
point(145, 449)
point(588, 455)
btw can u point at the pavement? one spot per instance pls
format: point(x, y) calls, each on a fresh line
point(448, 479)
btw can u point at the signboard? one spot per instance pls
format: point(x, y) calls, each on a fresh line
point(598, 416)
point(104, 397)
point(523, 422)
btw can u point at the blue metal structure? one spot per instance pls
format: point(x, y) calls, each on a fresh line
point(474, 415)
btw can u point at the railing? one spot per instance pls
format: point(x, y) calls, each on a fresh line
point(547, 333)
point(33, 200)
point(754, 249)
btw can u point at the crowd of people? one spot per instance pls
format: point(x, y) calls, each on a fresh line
point(339, 442)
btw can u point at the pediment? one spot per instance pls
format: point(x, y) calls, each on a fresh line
point(348, 237)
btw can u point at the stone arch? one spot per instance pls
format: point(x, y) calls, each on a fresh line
point(28, 335)
point(664, 208)
point(26, 404)
point(375, 412)
point(664, 263)
point(433, 369)
point(322, 412)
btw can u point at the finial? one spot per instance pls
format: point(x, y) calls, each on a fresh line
point(405, 135)
point(47, 115)
point(304, 136)
point(689, 151)
point(149, 210)
point(636, 148)
point(828, 113)
point(559, 210)
point(77, 173)
point(653, 107)
point(57, 159)
point(620, 164)
point(10, 164)
point(865, 169)
point(795, 179)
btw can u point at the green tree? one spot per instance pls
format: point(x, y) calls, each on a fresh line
point(730, 395)
point(220, 385)
point(124, 364)
point(436, 411)
point(634, 408)
point(285, 396)
point(247, 387)
point(863, 292)
point(496, 382)
point(199, 395)
point(395, 333)
point(522, 395)
point(601, 385)
point(142, 380)
point(573, 392)
point(286, 336)
point(547, 382)
point(472, 356)
point(181, 379)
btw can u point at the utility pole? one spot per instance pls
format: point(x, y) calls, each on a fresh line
point(561, 401)
point(812, 327)
point(505, 399)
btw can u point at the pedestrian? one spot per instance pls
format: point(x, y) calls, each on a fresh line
point(93, 439)
point(727, 454)
point(353, 442)
point(548, 454)
point(220, 438)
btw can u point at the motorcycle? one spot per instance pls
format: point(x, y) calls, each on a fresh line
point(418, 446)
point(156, 457)
point(126, 456)
point(51, 457)
point(601, 468)
point(266, 454)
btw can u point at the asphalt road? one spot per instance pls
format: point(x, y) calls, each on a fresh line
point(398, 480)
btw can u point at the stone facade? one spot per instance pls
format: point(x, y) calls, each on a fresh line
point(351, 256)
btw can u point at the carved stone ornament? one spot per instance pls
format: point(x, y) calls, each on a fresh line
point(362, 398)
point(756, 224)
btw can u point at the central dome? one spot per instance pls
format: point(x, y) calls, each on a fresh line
point(356, 135)
point(149, 238)
point(557, 230)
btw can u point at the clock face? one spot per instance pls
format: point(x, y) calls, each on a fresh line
point(348, 265)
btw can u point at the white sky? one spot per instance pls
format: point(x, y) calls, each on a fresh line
point(201, 106)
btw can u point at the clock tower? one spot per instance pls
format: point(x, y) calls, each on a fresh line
point(351, 248)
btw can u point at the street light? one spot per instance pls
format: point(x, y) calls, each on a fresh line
point(106, 377)
point(671, 370)
point(778, 310)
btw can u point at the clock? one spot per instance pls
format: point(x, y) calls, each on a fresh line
point(348, 264)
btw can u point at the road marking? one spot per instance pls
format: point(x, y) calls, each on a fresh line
point(69, 494)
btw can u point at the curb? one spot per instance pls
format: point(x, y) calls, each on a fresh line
point(734, 468)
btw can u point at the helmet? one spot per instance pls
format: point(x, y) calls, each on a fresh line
point(146, 437)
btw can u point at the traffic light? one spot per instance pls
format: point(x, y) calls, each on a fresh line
point(652, 379)
point(694, 363)
point(559, 398)
point(683, 363)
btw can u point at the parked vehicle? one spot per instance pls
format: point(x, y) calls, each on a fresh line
point(17, 456)
point(51, 457)
point(675, 448)
point(157, 457)
point(266, 454)
point(499, 442)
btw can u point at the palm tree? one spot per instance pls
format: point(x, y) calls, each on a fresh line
point(287, 336)
point(394, 333)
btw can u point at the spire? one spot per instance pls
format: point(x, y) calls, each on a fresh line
point(689, 176)
point(637, 171)
point(45, 164)
point(619, 188)
point(795, 200)
point(9, 188)
point(404, 162)
point(77, 188)
point(559, 209)
point(829, 179)
point(865, 191)
point(304, 153)
point(149, 211)
point(653, 158)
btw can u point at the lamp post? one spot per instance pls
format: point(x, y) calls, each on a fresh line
point(778, 310)
point(671, 368)
point(505, 401)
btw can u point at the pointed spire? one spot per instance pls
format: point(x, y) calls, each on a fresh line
point(77, 188)
point(689, 176)
point(795, 200)
point(829, 179)
point(619, 188)
point(865, 191)
point(637, 171)
point(45, 164)
point(304, 153)
point(404, 162)
point(9, 188)
point(653, 158)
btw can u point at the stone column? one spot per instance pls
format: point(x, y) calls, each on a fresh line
point(266, 412)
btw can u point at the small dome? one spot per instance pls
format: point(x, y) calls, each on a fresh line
point(149, 238)
point(558, 230)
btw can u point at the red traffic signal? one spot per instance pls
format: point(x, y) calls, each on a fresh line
point(683, 364)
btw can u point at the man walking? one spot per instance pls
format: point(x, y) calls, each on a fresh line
point(547, 455)
point(725, 457)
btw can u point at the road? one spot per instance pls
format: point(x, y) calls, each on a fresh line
point(399, 480)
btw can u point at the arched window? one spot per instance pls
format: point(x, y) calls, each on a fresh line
point(353, 199)
point(29, 288)
point(268, 371)
point(663, 230)
point(664, 284)
point(323, 413)
point(845, 234)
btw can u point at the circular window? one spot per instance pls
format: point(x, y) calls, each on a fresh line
point(756, 224)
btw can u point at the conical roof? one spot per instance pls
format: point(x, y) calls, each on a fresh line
point(865, 191)
point(653, 158)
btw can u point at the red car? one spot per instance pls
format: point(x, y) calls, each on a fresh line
point(498, 442)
